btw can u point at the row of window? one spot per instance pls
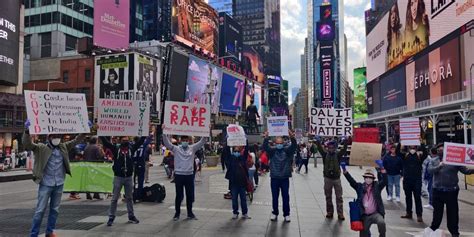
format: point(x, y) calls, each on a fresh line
point(58, 18)
point(75, 5)
point(87, 75)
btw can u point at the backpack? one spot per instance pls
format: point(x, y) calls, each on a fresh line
point(154, 193)
point(250, 161)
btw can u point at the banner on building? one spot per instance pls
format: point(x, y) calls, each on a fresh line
point(365, 154)
point(232, 94)
point(360, 93)
point(236, 135)
point(9, 41)
point(458, 154)
point(187, 119)
point(410, 131)
point(56, 113)
point(123, 118)
point(277, 126)
point(331, 122)
point(111, 24)
point(94, 177)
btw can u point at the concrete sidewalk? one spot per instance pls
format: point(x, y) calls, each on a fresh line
point(15, 175)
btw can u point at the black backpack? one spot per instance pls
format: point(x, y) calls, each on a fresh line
point(154, 193)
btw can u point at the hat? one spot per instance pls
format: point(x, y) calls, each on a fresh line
point(369, 174)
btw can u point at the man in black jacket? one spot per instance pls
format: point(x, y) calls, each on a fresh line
point(123, 172)
point(252, 115)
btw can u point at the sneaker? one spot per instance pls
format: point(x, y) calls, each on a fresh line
point(407, 216)
point(398, 199)
point(329, 216)
point(51, 235)
point(176, 217)
point(246, 217)
point(235, 216)
point(419, 219)
point(389, 198)
point(110, 222)
point(287, 219)
point(273, 217)
point(428, 206)
point(133, 220)
point(192, 217)
point(341, 217)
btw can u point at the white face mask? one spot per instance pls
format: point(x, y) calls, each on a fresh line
point(55, 141)
point(369, 181)
point(412, 151)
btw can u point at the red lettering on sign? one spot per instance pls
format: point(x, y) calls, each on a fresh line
point(174, 114)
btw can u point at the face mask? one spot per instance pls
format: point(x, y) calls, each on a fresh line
point(184, 145)
point(369, 181)
point(412, 151)
point(124, 144)
point(55, 141)
point(279, 146)
point(236, 153)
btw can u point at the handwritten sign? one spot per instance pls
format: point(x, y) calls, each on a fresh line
point(410, 131)
point(56, 113)
point(277, 126)
point(187, 119)
point(458, 154)
point(330, 122)
point(365, 154)
point(236, 135)
point(123, 118)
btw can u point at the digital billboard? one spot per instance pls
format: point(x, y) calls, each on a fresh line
point(195, 22)
point(230, 38)
point(409, 27)
point(111, 24)
point(9, 41)
point(178, 76)
point(258, 97)
point(326, 31)
point(326, 63)
point(232, 94)
point(252, 61)
point(360, 93)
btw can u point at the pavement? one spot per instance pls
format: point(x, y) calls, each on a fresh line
point(87, 218)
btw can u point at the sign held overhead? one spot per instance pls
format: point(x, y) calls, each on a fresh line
point(331, 122)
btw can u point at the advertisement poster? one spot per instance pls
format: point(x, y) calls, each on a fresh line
point(410, 131)
point(458, 154)
point(230, 39)
point(365, 154)
point(187, 119)
point(232, 94)
point(392, 90)
point(9, 41)
point(331, 122)
point(326, 62)
point(368, 135)
point(236, 135)
point(360, 93)
point(252, 62)
point(258, 100)
point(407, 28)
point(94, 177)
point(123, 118)
point(111, 25)
point(277, 126)
point(195, 22)
point(56, 113)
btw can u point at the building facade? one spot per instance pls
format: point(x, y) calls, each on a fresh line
point(157, 20)
point(222, 6)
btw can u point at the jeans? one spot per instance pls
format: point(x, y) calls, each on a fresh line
point(329, 184)
point(184, 182)
point(284, 186)
point(430, 191)
point(413, 188)
point(127, 183)
point(236, 192)
point(375, 218)
point(441, 198)
point(45, 194)
point(393, 180)
point(140, 175)
point(251, 176)
point(305, 163)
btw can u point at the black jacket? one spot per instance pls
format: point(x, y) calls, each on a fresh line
point(412, 166)
point(237, 170)
point(123, 162)
point(361, 189)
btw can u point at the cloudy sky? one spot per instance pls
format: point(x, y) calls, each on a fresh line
point(294, 31)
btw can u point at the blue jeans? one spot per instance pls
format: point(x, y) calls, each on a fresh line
point(393, 180)
point(45, 193)
point(236, 192)
point(284, 186)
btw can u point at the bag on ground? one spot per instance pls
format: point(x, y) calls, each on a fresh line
point(154, 193)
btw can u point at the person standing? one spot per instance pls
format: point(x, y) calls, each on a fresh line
point(92, 152)
point(304, 158)
point(281, 162)
point(237, 174)
point(428, 177)
point(394, 167)
point(123, 175)
point(252, 115)
point(49, 172)
point(332, 176)
point(148, 163)
point(446, 191)
point(139, 163)
point(184, 172)
point(252, 165)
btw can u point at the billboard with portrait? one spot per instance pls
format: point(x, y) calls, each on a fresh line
point(252, 62)
point(409, 27)
point(9, 42)
point(360, 93)
point(232, 94)
point(195, 22)
point(111, 24)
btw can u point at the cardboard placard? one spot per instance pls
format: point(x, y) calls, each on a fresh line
point(236, 135)
point(56, 113)
point(187, 119)
point(365, 154)
point(277, 126)
point(331, 122)
point(410, 131)
point(123, 118)
point(458, 154)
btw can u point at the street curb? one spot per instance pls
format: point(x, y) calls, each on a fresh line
point(12, 178)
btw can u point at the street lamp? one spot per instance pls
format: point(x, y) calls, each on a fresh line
point(58, 82)
point(210, 91)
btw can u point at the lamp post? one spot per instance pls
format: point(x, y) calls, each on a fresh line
point(52, 82)
point(210, 91)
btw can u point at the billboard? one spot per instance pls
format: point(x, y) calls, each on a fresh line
point(252, 62)
point(230, 38)
point(408, 28)
point(232, 94)
point(392, 90)
point(326, 31)
point(9, 42)
point(326, 62)
point(195, 22)
point(111, 24)
point(178, 76)
point(258, 98)
point(360, 93)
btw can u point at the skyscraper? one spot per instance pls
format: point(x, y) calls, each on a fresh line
point(222, 6)
point(157, 20)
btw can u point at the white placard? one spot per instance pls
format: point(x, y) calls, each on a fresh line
point(123, 118)
point(330, 122)
point(187, 119)
point(277, 126)
point(56, 113)
point(236, 135)
point(410, 131)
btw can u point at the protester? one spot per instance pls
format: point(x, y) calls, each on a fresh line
point(428, 177)
point(369, 195)
point(237, 174)
point(304, 158)
point(332, 176)
point(394, 167)
point(225, 155)
point(168, 164)
point(264, 162)
point(445, 192)
point(281, 161)
point(184, 175)
point(197, 169)
point(123, 172)
point(139, 157)
point(251, 161)
point(49, 171)
point(92, 152)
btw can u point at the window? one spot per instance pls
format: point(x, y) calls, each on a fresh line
point(35, 20)
point(87, 74)
point(46, 18)
point(45, 45)
point(77, 24)
point(70, 43)
point(27, 46)
point(65, 76)
point(56, 17)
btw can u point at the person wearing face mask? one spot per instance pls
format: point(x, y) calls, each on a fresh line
point(332, 176)
point(394, 166)
point(281, 167)
point(123, 175)
point(445, 192)
point(184, 172)
point(412, 163)
point(49, 172)
point(369, 195)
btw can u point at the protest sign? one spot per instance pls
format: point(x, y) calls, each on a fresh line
point(368, 135)
point(236, 135)
point(187, 119)
point(56, 113)
point(277, 126)
point(458, 154)
point(470, 179)
point(123, 118)
point(410, 131)
point(94, 177)
point(365, 154)
point(330, 122)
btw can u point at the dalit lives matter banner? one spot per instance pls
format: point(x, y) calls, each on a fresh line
point(187, 119)
point(56, 113)
point(123, 118)
point(331, 122)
